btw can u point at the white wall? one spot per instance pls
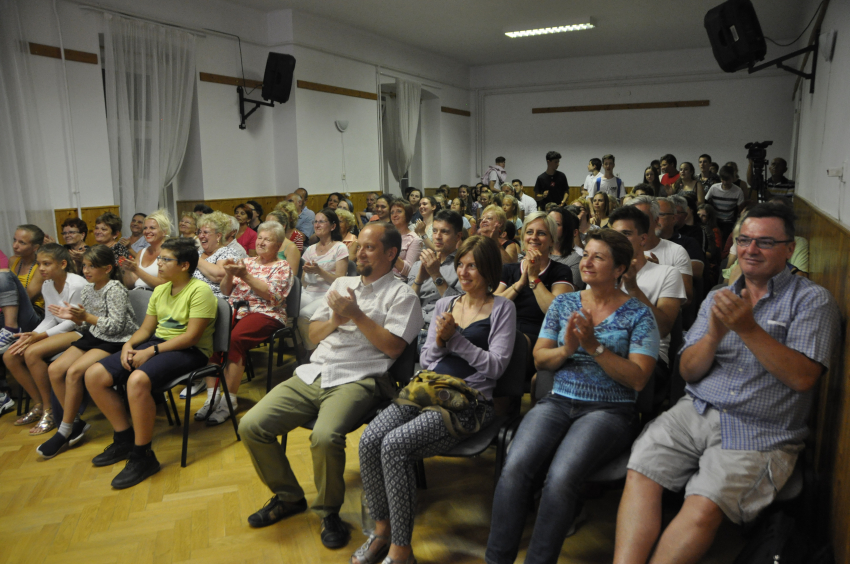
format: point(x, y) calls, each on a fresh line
point(824, 131)
point(742, 108)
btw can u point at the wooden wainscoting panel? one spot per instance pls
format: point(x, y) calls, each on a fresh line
point(328, 89)
point(70, 54)
point(89, 216)
point(455, 111)
point(230, 80)
point(611, 107)
point(829, 265)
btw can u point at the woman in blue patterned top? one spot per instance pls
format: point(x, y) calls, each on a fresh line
point(602, 345)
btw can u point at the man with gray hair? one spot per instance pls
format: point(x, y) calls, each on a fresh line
point(305, 214)
point(660, 250)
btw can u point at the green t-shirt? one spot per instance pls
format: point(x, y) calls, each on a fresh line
point(195, 301)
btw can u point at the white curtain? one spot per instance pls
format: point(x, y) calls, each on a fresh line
point(150, 80)
point(401, 121)
point(23, 183)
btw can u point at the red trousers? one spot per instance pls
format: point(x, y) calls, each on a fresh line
point(245, 334)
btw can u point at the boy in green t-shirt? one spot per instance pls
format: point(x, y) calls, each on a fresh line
point(174, 339)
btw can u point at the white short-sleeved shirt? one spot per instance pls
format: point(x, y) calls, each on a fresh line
point(614, 187)
point(313, 282)
point(661, 281)
point(528, 204)
point(497, 187)
point(590, 182)
point(674, 255)
point(347, 355)
point(71, 293)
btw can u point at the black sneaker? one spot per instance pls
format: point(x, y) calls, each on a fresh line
point(77, 431)
point(274, 510)
point(53, 446)
point(139, 467)
point(115, 452)
point(334, 532)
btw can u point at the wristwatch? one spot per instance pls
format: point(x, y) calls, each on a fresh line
point(439, 281)
point(155, 350)
point(599, 350)
point(533, 284)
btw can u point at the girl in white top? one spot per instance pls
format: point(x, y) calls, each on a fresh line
point(143, 272)
point(324, 262)
point(25, 359)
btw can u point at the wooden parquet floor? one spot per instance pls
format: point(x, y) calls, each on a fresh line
point(64, 511)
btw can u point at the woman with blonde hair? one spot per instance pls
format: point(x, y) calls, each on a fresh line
point(291, 233)
point(602, 208)
point(511, 207)
point(143, 271)
point(288, 251)
point(212, 230)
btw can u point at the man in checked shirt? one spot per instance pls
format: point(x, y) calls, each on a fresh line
point(751, 362)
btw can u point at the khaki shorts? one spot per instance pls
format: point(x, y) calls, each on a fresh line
point(681, 448)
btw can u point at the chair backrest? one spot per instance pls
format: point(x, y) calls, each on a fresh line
point(677, 339)
point(300, 268)
point(224, 317)
point(139, 301)
point(352, 268)
point(512, 381)
point(402, 369)
point(293, 299)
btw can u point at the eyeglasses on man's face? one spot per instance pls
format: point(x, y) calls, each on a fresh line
point(761, 242)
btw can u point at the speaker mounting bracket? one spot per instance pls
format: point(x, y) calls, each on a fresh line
point(242, 101)
point(810, 76)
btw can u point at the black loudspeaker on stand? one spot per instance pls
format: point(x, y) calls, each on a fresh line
point(277, 85)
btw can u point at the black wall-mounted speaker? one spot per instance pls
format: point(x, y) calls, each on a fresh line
point(277, 80)
point(735, 35)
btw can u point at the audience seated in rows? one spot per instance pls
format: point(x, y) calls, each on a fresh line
point(434, 275)
point(472, 338)
point(324, 262)
point(263, 282)
point(361, 326)
point(28, 356)
point(142, 272)
point(602, 345)
point(751, 362)
point(103, 320)
point(174, 339)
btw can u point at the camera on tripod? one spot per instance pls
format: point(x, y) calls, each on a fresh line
point(758, 152)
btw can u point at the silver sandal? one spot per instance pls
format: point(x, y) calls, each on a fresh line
point(365, 556)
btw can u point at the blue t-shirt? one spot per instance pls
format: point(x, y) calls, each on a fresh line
point(630, 329)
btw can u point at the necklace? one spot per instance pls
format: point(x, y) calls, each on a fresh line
point(463, 325)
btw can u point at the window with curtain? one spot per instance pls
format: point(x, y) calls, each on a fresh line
point(150, 81)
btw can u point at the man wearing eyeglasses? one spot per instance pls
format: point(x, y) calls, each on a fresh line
point(751, 361)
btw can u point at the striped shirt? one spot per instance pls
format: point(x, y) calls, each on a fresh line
point(783, 187)
point(726, 202)
point(757, 411)
point(347, 355)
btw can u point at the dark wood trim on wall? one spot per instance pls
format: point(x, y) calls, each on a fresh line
point(609, 107)
point(230, 80)
point(70, 54)
point(448, 110)
point(328, 89)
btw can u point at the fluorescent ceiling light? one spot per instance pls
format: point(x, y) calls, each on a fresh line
point(583, 23)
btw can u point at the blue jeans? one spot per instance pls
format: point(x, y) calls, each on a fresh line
point(13, 293)
point(578, 438)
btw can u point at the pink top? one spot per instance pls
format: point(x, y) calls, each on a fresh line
point(4, 262)
point(277, 275)
point(248, 240)
point(411, 246)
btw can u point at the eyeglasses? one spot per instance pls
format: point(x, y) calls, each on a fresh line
point(165, 259)
point(761, 243)
point(319, 222)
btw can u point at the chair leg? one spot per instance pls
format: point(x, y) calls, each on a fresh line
point(167, 412)
point(270, 365)
point(226, 395)
point(249, 367)
point(186, 428)
point(421, 482)
point(21, 400)
point(174, 405)
point(295, 346)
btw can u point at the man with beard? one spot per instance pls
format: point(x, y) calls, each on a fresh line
point(364, 324)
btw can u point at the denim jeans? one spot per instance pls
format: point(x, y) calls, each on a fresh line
point(578, 438)
point(13, 293)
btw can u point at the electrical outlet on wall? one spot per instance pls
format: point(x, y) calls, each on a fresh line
point(835, 172)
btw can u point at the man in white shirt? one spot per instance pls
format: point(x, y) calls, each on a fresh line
point(527, 204)
point(606, 181)
point(593, 168)
point(663, 251)
point(656, 285)
point(364, 324)
point(496, 175)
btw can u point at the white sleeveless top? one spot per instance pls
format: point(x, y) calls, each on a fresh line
point(153, 270)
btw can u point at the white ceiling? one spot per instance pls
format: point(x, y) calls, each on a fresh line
point(472, 31)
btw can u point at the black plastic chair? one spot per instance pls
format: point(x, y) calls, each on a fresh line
point(221, 342)
point(352, 268)
point(293, 306)
point(501, 429)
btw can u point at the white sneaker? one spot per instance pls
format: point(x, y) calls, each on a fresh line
point(197, 388)
point(221, 413)
point(6, 403)
point(202, 413)
point(6, 339)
